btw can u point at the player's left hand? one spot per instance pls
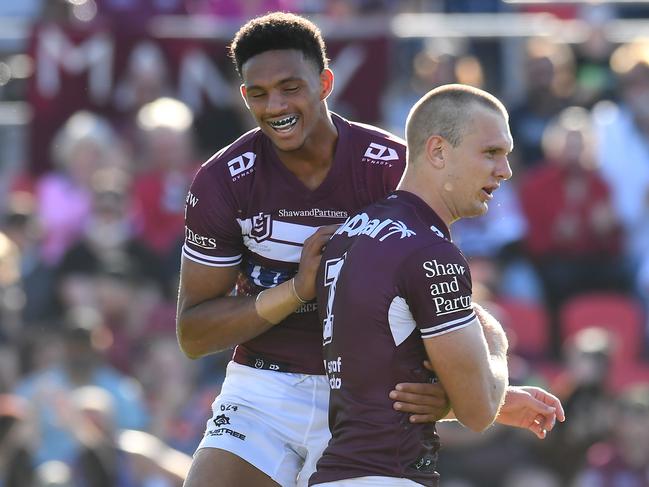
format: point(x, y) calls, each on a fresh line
point(531, 408)
point(426, 402)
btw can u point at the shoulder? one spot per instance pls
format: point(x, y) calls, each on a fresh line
point(364, 134)
point(232, 163)
point(241, 152)
point(436, 258)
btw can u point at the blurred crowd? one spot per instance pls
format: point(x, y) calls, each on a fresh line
point(93, 388)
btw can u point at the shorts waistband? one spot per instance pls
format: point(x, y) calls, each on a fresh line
point(261, 363)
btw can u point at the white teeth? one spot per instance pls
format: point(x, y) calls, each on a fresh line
point(284, 123)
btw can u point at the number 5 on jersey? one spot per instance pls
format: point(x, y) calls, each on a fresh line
point(331, 273)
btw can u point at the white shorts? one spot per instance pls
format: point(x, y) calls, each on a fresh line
point(372, 481)
point(276, 421)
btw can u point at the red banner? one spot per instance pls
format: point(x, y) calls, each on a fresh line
point(92, 68)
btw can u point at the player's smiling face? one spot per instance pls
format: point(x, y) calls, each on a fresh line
point(285, 93)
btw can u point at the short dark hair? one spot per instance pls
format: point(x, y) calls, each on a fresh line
point(278, 30)
point(445, 111)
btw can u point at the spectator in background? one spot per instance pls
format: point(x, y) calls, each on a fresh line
point(19, 223)
point(582, 389)
point(16, 469)
point(83, 145)
point(498, 236)
point(10, 289)
point(595, 80)
point(574, 235)
point(239, 11)
point(53, 474)
point(106, 460)
point(168, 165)
point(623, 459)
point(532, 476)
point(147, 78)
point(434, 65)
point(108, 268)
point(549, 82)
point(623, 153)
point(176, 399)
point(82, 364)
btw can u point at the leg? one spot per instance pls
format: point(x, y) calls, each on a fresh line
point(213, 467)
point(248, 440)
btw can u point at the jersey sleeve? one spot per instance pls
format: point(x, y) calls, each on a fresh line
point(436, 284)
point(212, 233)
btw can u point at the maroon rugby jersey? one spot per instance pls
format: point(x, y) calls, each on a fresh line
point(391, 277)
point(246, 208)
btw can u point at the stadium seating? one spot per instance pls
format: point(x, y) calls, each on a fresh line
point(528, 327)
point(620, 314)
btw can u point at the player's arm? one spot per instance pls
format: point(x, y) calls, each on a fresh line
point(429, 402)
point(208, 319)
point(472, 367)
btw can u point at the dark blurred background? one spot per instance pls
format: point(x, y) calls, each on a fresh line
point(107, 108)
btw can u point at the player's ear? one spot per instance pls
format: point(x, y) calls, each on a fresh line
point(242, 90)
point(435, 146)
point(326, 83)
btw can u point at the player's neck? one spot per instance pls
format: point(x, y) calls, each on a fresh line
point(423, 187)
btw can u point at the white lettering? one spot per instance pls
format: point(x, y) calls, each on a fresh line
point(361, 224)
point(446, 306)
point(334, 367)
point(198, 75)
point(445, 287)
point(199, 240)
point(95, 55)
point(191, 199)
point(434, 268)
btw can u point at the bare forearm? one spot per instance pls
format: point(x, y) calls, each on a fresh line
point(218, 324)
point(497, 344)
point(493, 333)
point(226, 321)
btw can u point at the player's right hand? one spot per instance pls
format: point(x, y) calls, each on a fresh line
point(310, 260)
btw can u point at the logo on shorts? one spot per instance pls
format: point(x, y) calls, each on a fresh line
point(259, 363)
point(221, 420)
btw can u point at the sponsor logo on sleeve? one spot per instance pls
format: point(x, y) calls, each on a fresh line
point(447, 286)
point(199, 240)
point(242, 165)
point(361, 224)
point(380, 154)
point(191, 200)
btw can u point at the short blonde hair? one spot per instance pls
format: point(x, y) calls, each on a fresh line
point(446, 111)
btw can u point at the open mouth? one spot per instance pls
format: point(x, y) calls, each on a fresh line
point(283, 124)
point(488, 191)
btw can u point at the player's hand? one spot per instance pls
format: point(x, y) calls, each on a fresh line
point(310, 259)
point(425, 401)
point(531, 408)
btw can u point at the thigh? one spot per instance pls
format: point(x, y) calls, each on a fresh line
point(213, 467)
point(259, 418)
point(318, 434)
